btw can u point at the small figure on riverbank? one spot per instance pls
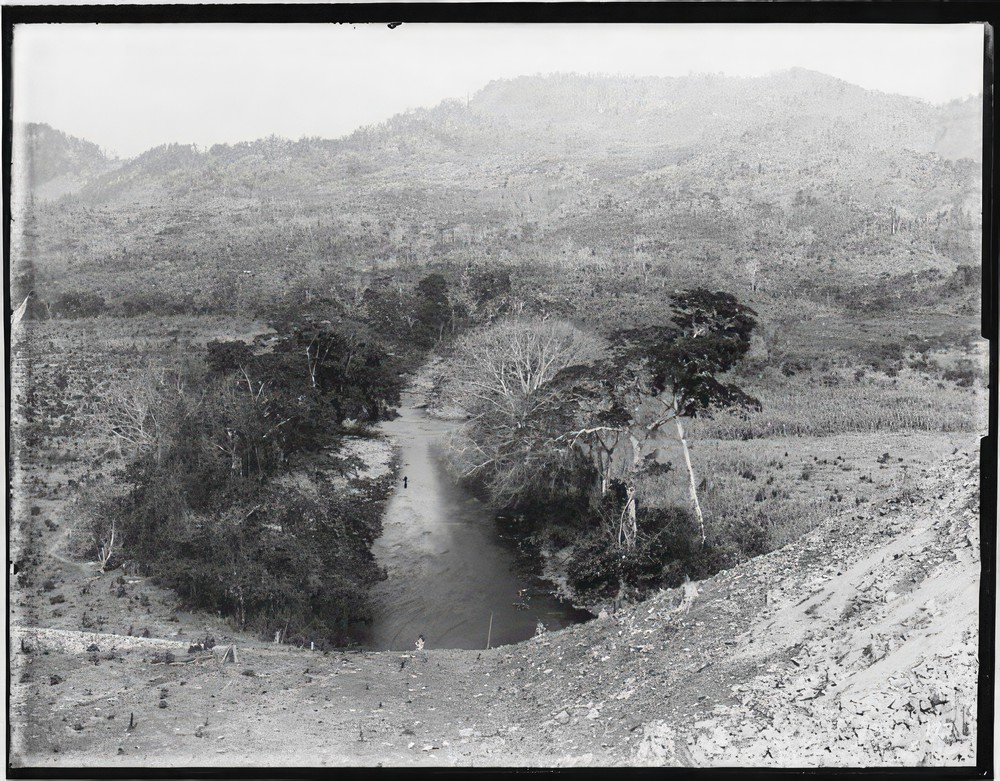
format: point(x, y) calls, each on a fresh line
point(420, 643)
point(405, 480)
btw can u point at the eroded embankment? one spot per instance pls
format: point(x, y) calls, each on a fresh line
point(855, 646)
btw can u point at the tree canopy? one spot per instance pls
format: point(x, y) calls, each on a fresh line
point(223, 498)
point(553, 408)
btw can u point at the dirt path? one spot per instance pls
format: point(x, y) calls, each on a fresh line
point(856, 645)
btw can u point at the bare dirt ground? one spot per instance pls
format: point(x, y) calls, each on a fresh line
point(856, 645)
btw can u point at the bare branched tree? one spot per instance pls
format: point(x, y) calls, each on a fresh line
point(127, 409)
point(106, 545)
point(502, 376)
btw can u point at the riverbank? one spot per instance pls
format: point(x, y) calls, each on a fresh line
point(758, 494)
point(854, 646)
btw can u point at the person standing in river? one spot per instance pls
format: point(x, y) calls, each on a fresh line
point(404, 481)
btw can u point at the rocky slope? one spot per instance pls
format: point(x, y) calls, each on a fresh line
point(855, 646)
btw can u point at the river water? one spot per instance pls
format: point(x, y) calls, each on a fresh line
point(451, 578)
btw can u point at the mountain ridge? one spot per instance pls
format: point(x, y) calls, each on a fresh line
point(793, 168)
point(485, 98)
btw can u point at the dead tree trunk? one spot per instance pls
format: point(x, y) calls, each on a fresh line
point(895, 221)
point(312, 366)
point(105, 552)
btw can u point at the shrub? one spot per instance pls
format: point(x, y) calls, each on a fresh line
point(288, 555)
point(668, 547)
point(225, 357)
point(792, 367)
point(963, 374)
point(79, 304)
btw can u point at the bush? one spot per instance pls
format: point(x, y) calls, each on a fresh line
point(263, 551)
point(963, 374)
point(792, 367)
point(287, 556)
point(79, 304)
point(668, 548)
point(225, 357)
point(886, 356)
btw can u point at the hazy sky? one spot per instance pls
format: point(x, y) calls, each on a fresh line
point(132, 87)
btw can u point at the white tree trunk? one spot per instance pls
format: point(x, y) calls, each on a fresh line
point(105, 552)
point(312, 367)
point(690, 469)
point(15, 319)
point(628, 527)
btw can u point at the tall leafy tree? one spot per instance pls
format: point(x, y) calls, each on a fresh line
point(348, 368)
point(681, 363)
point(544, 397)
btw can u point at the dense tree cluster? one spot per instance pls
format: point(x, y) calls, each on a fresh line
point(558, 416)
point(223, 498)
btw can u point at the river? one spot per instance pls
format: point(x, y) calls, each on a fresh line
point(451, 577)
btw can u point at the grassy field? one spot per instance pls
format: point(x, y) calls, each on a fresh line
point(851, 412)
point(767, 492)
point(833, 403)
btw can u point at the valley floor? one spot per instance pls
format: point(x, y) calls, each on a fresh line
point(856, 645)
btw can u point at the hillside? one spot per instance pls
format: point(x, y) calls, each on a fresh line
point(854, 646)
point(54, 164)
point(814, 184)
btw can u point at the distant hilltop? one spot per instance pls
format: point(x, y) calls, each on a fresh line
point(804, 172)
point(684, 107)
